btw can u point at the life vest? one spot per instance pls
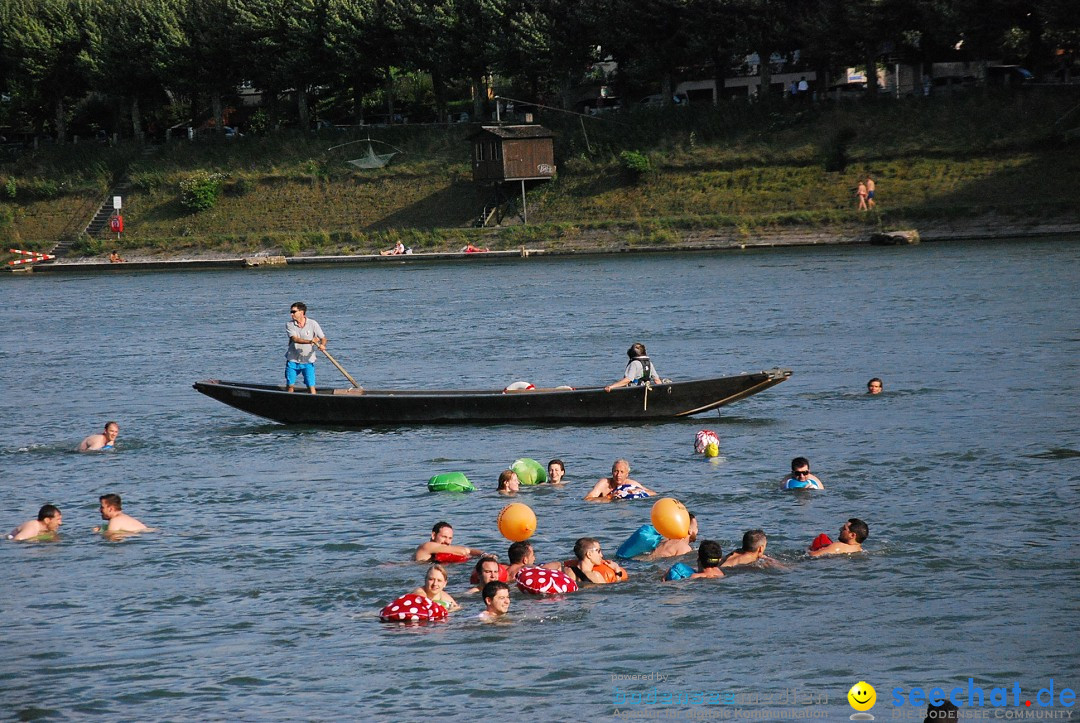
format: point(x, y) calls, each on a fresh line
point(646, 369)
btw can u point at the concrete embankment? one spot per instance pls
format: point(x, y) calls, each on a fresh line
point(590, 242)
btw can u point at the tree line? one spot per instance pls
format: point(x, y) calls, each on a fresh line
point(152, 57)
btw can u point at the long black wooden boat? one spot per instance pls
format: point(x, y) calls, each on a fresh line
point(368, 407)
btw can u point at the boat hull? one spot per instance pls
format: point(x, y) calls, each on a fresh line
point(355, 408)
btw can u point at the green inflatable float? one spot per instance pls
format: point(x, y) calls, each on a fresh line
point(529, 471)
point(450, 482)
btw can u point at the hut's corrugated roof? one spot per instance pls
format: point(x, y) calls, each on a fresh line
point(514, 132)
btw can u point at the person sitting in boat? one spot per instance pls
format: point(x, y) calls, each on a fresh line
point(399, 248)
point(619, 486)
point(639, 370)
point(800, 478)
point(434, 588)
point(677, 547)
point(440, 547)
point(508, 482)
point(590, 565)
point(102, 440)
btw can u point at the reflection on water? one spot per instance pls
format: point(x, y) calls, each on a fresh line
point(259, 596)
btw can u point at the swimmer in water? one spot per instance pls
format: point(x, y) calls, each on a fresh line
point(521, 555)
point(487, 570)
point(618, 485)
point(556, 469)
point(752, 551)
point(800, 478)
point(118, 521)
point(442, 538)
point(709, 555)
point(508, 482)
point(852, 534)
point(102, 440)
point(497, 598)
point(434, 588)
point(677, 547)
point(589, 556)
point(874, 386)
point(44, 527)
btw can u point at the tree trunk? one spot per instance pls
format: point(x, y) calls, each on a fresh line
point(389, 95)
point(477, 97)
point(719, 60)
point(61, 121)
point(665, 89)
point(216, 109)
point(302, 107)
point(136, 119)
point(438, 87)
point(764, 73)
point(871, 74)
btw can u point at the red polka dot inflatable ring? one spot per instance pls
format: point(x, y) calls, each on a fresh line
point(539, 581)
point(412, 608)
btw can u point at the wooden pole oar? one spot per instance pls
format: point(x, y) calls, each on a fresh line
point(340, 368)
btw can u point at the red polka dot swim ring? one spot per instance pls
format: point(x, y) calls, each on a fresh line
point(412, 608)
point(540, 581)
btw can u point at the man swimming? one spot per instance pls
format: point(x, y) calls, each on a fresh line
point(45, 526)
point(752, 550)
point(591, 565)
point(441, 543)
point(487, 570)
point(497, 599)
point(101, 441)
point(800, 478)
point(118, 521)
point(522, 555)
point(709, 555)
point(618, 485)
point(678, 546)
point(852, 534)
point(874, 386)
point(555, 470)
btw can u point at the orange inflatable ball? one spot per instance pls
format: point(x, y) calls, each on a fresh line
point(517, 522)
point(670, 518)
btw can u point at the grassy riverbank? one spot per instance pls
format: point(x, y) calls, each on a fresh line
point(736, 168)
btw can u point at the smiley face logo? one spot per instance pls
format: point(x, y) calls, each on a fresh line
point(862, 696)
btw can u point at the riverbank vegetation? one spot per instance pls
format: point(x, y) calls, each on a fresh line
point(736, 166)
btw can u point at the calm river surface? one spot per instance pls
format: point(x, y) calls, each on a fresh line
point(258, 597)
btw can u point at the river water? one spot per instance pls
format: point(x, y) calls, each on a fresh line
point(257, 598)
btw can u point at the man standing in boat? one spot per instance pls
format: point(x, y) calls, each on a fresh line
point(305, 335)
point(639, 370)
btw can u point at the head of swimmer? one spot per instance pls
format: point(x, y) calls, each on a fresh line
point(586, 547)
point(521, 552)
point(874, 386)
point(709, 554)
point(508, 481)
point(442, 533)
point(49, 516)
point(620, 471)
point(854, 530)
point(487, 569)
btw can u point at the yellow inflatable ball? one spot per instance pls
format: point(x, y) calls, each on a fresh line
point(670, 518)
point(517, 522)
point(712, 449)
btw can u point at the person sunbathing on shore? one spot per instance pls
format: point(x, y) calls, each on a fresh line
point(399, 248)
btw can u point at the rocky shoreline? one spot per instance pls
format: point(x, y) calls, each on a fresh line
point(594, 242)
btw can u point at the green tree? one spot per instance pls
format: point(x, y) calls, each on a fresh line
point(49, 46)
point(136, 55)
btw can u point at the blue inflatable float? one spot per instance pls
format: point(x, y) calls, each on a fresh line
point(643, 541)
